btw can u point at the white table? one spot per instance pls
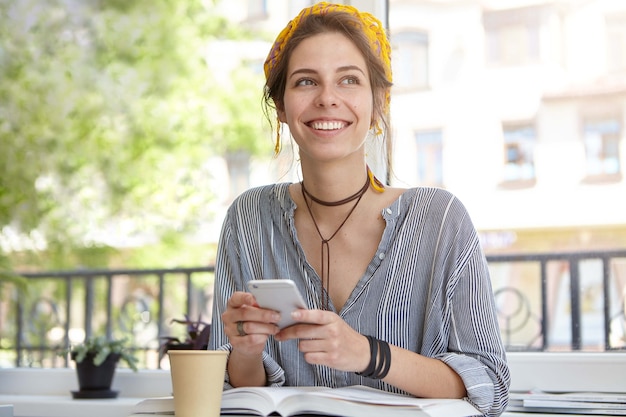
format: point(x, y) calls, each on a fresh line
point(66, 406)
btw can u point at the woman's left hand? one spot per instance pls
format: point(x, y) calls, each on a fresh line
point(325, 339)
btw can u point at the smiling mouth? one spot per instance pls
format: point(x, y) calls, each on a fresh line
point(328, 125)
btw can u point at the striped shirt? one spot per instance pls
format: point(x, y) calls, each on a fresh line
point(427, 289)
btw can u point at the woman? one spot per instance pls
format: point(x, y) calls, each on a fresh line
point(396, 283)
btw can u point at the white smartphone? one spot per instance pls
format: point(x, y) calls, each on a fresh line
point(280, 295)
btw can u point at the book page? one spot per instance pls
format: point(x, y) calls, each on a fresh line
point(370, 395)
point(352, 402)
point(360, 401)
point(260, 400)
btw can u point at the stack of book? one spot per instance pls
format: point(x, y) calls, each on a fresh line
point(581, 403)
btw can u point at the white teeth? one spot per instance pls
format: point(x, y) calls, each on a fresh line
point(327, 125)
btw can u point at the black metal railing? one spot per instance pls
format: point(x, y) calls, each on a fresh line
point(63, 306)
point(570, 288)
point(535, 295)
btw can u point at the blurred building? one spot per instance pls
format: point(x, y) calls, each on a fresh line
point(516, 106)
point(519, 108)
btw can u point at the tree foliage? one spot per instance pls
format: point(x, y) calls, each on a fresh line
point(108, 117)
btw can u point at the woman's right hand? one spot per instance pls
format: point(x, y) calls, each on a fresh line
point(247, 325)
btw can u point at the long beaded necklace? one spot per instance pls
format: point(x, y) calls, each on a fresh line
point(325, 252)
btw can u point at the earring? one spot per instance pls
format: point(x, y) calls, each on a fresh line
point(277, 144)
point(376, 127)
point(375, 182)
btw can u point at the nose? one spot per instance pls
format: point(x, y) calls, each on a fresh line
point(327, 96)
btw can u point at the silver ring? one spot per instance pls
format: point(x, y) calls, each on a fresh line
point(240, 329)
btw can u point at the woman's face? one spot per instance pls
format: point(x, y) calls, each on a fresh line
point(328, 100)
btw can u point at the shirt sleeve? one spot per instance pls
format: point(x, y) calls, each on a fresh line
point(275, 374)
point(475, 348)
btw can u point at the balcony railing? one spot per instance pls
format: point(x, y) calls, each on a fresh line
point(64, 307)
point(575, 301)
point(546, 302)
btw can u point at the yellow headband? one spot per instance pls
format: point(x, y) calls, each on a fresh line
point(371, 26)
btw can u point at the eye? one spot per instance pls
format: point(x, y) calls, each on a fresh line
point(304, 81)
point(351, 80)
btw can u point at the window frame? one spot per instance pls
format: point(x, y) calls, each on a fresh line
point(429, 151)
point(523, 134)
point(411, 55)
point(611, 129)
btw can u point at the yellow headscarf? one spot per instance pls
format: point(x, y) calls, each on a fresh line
point(371, 26)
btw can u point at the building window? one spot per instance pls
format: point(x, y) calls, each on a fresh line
point(429, 157)
point(519, 147)
point(512, 36)
point(601, 139)
point(410, 60)
point(616, 42)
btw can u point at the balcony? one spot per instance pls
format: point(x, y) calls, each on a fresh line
point(546, 302)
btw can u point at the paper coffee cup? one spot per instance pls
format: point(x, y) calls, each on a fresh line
point(197, 381)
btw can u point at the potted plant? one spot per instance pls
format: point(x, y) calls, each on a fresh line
point(197, 334)
point(96, 360)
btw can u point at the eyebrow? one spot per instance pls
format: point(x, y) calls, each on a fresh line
point(344, 68)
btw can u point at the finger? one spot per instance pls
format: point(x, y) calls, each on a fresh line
point(313, 316)
point(241, 330)
point(312, 345)
point(313, 324)
point(329, 345)
point(250, 313)
point(300, 331)
point(324, 352)
point(240, 298)
point(247, 328)
point(251, 344)
point(317, 358)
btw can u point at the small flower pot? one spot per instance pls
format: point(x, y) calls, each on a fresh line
point(95, 381)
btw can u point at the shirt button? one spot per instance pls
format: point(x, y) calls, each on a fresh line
point(389, 211)
point(381, 256)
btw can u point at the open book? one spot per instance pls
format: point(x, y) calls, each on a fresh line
point(354, 401)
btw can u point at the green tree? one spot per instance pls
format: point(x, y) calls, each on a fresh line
point(108, 116)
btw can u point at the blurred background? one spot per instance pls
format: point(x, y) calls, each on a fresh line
point(127, 128)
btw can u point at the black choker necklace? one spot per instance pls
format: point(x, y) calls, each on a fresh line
point(353, 197)
point(325, 254)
